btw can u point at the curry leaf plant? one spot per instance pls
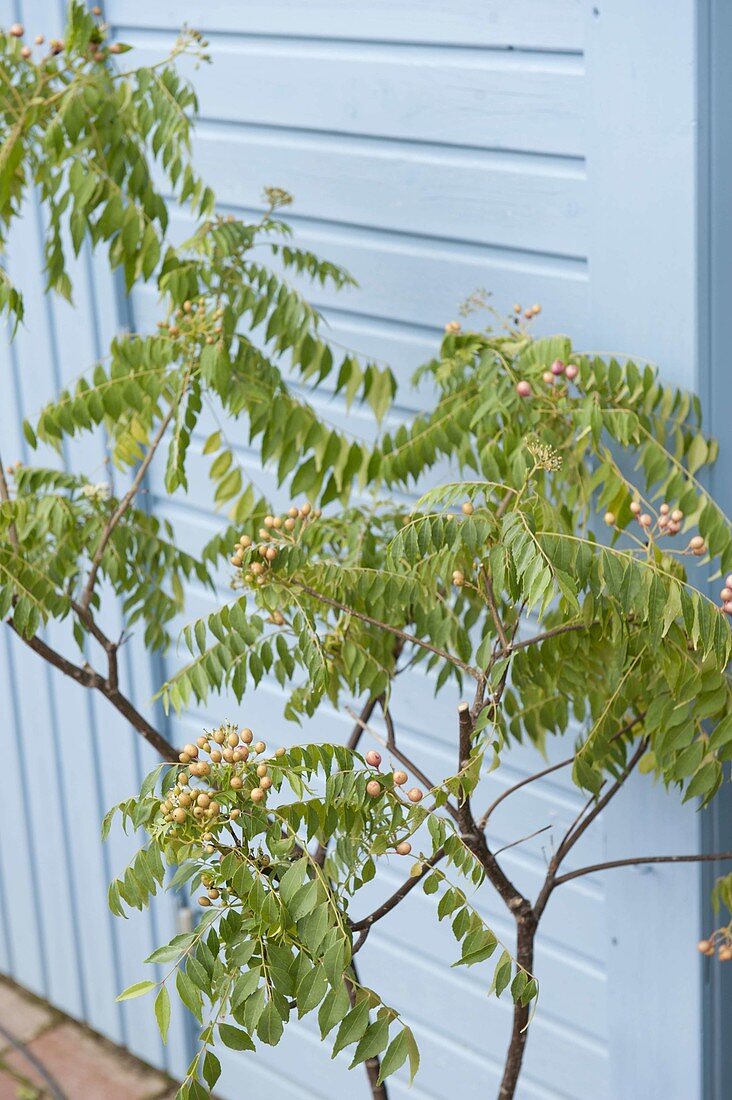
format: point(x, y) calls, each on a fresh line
point(536, 547)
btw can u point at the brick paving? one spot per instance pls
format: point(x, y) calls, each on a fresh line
point(84, 1065)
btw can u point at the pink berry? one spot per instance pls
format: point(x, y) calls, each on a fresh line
point(558, 367)
point(373, 789)
point(373, 758)
point(728, 581)
point(572, 371)
point(523, 389)
point(725, 595)
point(645, 520)
point(728, 607)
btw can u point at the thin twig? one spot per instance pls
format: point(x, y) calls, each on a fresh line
point(706, 857)
point(405, 636)
point(122, 507)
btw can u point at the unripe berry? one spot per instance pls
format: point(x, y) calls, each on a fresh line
point(17, 30)
point(373, 788)
point(635, 508)
point(697, 543)
point(203, 800)
point(216, 756)
point(725, 594)
point(245, 542)
point(289, 524)
point(257, 795)
point(610, 519)
point(184, 758)
point(724, 954)
point(179, 816)
point(703, 946)
point(219, 736)
point(233, 740)
point(259, 746)
point(182, 778)
point(26, 52)
point(39, 40)
point(228, 755)
point(214, 810)
point(265, 782)
point(269, 521)
point(458, 578)
point(548, 377)
point(677, 515)
point(201, 742)
point(404, 848)
point(523, 388)
point(571, 372)
point(373, 758)
point(415, 795)
point(234, 814)
point(213, 894)
point(184, 799)
point(261, 770)
point(192, 750)
point(468, 508)
point(557, 367)
point(664, 509)
point(400, 778)
point(204, 901)
point(279, 753)
point(271, 554)
point(236, 559)
point(293, 513)
point(306, 509)
point(645, 520)
point(236, 783)
point(246, 736)
point(452, 326)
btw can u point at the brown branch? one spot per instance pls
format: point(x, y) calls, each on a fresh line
point(637, 861)
point(405, 636)
point(87, 677)
point(493, 608)
point(373, 1064)
point(122, 507)
point(567, 628)
point(406, 888)
point(483, 821)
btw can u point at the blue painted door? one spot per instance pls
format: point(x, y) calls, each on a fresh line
point(545, 150)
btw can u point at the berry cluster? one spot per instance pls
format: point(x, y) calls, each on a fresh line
point(97, 50)
point(667, 522)
point(720, 942)
point(248, 776)
point(278, 531)
point(726, 595)
point(399, 778)
point(194, 323)
point(550, 377)
point(529, 313)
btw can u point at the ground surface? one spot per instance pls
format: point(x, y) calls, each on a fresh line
point(82, 1065)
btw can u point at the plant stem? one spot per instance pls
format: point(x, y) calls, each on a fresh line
point(372, 1065)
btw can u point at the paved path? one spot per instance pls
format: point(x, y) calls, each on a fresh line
point(83, 1065)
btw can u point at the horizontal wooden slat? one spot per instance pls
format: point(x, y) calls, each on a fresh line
point(422, 282)
point(483, 198)
point(451, 96)
point(539, 24)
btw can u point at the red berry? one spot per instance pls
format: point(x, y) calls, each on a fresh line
point(558, 367)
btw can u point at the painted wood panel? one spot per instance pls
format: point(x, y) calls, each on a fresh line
point(542, 149)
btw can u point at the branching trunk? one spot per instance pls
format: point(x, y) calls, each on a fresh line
point(526, 932)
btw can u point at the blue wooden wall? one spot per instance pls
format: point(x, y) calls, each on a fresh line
point(548, 151)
